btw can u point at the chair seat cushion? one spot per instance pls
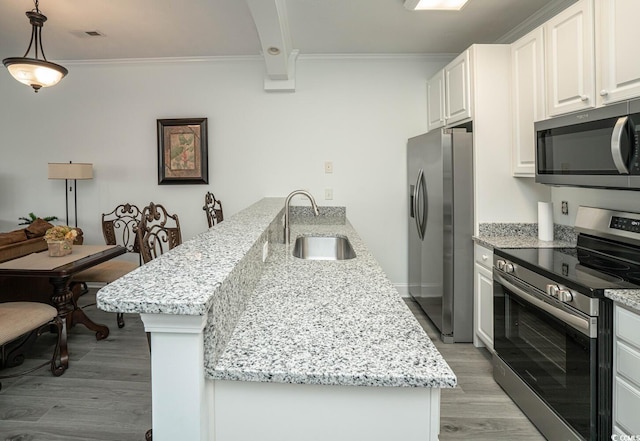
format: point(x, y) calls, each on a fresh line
point(105, 272)
point(18, 318)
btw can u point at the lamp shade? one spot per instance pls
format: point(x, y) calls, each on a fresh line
point(70, 170)
point(35, 73)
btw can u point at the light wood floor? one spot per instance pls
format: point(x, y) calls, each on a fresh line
point(106, 395)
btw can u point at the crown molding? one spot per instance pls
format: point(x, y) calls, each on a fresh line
point(548, 11)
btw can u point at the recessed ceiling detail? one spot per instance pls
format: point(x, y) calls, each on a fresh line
point(270, 18)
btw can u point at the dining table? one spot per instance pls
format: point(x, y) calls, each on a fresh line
point(60, 270)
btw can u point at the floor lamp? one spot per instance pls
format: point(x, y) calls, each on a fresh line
point(71, 171)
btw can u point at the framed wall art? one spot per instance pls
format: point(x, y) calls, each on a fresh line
point(182, 151)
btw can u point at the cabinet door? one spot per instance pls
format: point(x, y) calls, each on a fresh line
point(458, 89)
point(616, 39)
point(569, 44)
point(626, 369)
point(483, 306)
point(527, 68)
point(435, 101)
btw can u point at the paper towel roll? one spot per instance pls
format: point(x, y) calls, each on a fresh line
point(545, 220)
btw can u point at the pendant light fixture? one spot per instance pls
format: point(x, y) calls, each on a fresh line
point(35, 72)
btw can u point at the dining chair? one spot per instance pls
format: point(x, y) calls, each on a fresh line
point(20, 324)
point(119, 227)
point(158, 232)
point(213, 209)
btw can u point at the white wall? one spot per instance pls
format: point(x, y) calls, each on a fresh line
point(356, 112)
point(591, 197)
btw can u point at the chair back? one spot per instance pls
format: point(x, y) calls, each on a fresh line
point(158, 232)
point(213, 209)
point(119, 227)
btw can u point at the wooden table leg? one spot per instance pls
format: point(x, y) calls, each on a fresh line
point(68, 309)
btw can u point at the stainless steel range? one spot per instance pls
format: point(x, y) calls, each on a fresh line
point(553, 325)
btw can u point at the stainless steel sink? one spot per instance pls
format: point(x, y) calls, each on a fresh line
point(323, 248)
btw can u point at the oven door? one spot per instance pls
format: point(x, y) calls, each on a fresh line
point(550, 350)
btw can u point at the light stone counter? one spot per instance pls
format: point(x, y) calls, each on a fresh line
point(330, 322)
point(513, 235)
point(323, 322)
point(627, 297)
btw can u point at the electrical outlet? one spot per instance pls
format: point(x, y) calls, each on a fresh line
point(328, 194)
point(565, 207)
point(328, 167)
point(265, 250)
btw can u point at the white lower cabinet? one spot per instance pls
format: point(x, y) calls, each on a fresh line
point(483, 298)
point(626, 363)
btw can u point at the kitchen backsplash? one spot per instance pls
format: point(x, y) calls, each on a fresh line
point(494, 229)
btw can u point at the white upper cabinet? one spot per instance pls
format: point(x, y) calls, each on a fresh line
point(616, 50)
point(435, 101)
point(458, 89)
point(527, 76)
point(569, 42)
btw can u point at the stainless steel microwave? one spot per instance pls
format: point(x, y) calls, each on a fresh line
point(595, 148)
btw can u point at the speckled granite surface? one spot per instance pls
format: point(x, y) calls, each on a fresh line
point(183, 280)
point(330, 322)
point(288, 320)
point(628, 297)
point(513, 235)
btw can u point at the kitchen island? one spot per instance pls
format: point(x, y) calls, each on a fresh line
point(281, 349)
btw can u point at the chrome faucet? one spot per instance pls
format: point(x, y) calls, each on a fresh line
point(287, 230)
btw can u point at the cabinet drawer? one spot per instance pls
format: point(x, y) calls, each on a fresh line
point(626, 404)
point(627, 326)
point(628, 362)
point(484, 256)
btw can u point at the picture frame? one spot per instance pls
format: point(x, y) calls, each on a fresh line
point(183, 151)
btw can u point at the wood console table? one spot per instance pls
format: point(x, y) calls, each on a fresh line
point(59, 270)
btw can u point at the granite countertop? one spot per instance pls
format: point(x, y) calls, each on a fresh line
point(522, 235)
point(193, 270)
point(627, 297)
point(330, 322)
point(520, 242)
point(302, 322)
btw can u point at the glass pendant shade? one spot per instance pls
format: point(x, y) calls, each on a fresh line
point(35, 72)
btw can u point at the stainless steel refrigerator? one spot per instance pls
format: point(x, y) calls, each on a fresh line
point(440, 187)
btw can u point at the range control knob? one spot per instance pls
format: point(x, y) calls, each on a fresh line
point(552, 290)
point(565, 295)
point(500, 264)
point(509, 268)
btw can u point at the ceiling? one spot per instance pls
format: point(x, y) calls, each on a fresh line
point(204, 28)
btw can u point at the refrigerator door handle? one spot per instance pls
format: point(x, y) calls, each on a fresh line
point(421, 217)
point(425, 197)
point(414, 200)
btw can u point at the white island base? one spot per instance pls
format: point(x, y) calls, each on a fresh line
point(188, 407)
point(294, 412)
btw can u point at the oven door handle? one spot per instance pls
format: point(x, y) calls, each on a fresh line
point(577, 322)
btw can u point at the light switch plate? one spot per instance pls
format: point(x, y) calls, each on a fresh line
point(328, 194)
point(328, 167)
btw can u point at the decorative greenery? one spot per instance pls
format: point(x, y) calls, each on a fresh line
point(32, 217)
point(60, 232)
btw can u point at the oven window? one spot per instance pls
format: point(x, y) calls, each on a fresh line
point(556, 361)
